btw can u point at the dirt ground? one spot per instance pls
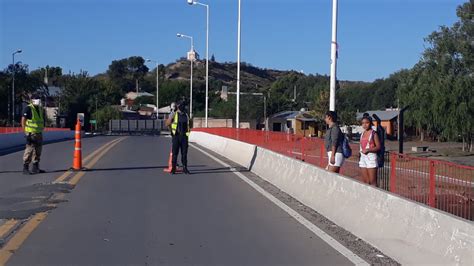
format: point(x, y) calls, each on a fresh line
point(447, 151)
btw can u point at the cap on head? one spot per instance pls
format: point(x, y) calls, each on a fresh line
point(181, 105)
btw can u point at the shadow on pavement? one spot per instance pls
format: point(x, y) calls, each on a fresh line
point(125, 168)
point(219, 170)
point(14, 149)
point(133, 168)
point(101, 169)
point(47, 171)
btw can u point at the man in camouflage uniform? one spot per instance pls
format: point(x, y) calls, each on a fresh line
point(33, 121)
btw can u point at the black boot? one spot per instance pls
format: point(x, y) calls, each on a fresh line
point(173, 170)
point(186, 171)
point(36, 169)
point(26, 169)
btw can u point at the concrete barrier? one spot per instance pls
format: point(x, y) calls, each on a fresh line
point(239, 152)
point(12, 140)
point(407, 231)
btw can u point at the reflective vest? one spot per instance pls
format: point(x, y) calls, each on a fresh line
point(174, 125)
point(36, 123)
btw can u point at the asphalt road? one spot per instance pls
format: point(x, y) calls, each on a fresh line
point(125, 210)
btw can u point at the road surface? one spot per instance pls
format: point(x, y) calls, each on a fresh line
point(125, 210)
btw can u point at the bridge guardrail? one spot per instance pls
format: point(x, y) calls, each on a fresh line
point(443, 185)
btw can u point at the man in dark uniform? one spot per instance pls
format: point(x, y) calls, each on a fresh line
point(180, 130)
point(32, 122)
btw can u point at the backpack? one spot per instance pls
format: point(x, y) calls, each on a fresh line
point(346, 148)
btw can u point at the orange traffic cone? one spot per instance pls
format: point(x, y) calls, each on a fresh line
point(77, 163)
point(170, 164)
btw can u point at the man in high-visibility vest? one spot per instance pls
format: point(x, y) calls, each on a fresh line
point(180, 129)
point(32, 121)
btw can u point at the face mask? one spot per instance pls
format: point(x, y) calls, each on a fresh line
point(36, 102)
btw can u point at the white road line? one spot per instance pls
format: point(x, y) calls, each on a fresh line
point(310, 226)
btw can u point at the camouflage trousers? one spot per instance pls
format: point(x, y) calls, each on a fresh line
point(34, 145)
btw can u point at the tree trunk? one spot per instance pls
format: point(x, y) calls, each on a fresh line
point(463, 143)
point(471, 148)
point(422, 135)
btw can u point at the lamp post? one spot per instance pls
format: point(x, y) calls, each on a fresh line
point(157, 87)
point(332, 90)
point(13, 85)
point(191, 58)
point(237, 115)
point(192, 2)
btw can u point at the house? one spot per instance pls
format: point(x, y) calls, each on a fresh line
point(147, 110)
point(130, 98)
point(388, 120)
point(133, 95)
point(300, 123)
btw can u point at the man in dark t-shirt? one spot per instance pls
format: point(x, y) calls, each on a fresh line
point(180, 130)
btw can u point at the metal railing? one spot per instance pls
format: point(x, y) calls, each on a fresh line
point(134, 127)
point(439, 184)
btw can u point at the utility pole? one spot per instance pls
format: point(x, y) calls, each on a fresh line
point(191, 57)
point(332, 90)
point(237, 115)
point(192, 2)
point(13, 85)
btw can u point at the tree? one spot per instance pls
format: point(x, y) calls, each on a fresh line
point(79, 95)
point(126, 73)
point(213, 59)
point(104, 115)
point(322, 103)
point(25, 85)
point(54, 74)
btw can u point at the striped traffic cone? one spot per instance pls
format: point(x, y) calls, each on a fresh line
point(77, 163)
point(170, 164)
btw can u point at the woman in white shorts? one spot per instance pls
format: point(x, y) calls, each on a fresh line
point(369, 146)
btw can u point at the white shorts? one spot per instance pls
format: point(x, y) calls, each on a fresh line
point(339, 159)
point(368, 160)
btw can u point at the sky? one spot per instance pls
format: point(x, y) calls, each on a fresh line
point(376, 37)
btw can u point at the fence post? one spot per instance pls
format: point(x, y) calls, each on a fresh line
point(393, 172)
point(302, 149)
point(289, 144)
point(432, 194)
point(321, 155)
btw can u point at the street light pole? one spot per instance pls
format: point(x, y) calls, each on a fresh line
point(192, 2)
point(13, 85)
point(191, 90)
point(157, 91)
point(332, 90)
point(191, 78)
point(237, 115)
